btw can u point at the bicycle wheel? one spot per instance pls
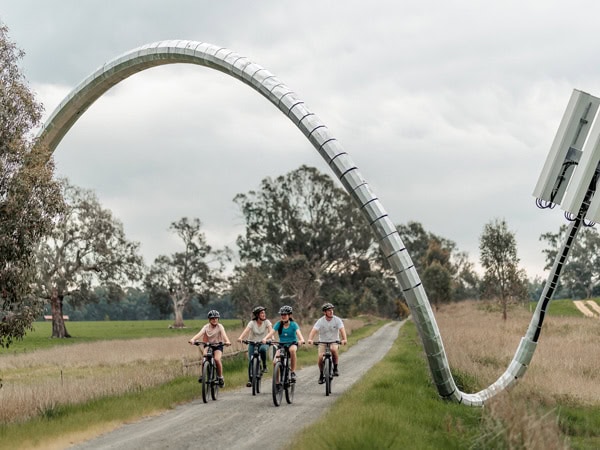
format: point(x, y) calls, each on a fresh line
point(214, 385)
point(327, 375)
point(277, 384)
point(255, 376)
point(206, 375)
point(290, 388)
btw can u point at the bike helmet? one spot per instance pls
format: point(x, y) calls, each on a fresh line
point(326, 306)
point(256, 311)
point(213, 313)
point(285, 310)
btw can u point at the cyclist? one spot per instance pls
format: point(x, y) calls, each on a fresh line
point(213, 333)
point(329, 328)
point(289, 332)
point(257, 329)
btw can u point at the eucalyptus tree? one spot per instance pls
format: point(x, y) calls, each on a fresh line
point(194, 273)
point(427, 248)
point(250, 287)
point(303, 231)
point(503, 278)
point(29, 197)
point(580, 277)
point(86, 248)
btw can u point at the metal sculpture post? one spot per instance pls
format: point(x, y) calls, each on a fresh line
point(553, 186)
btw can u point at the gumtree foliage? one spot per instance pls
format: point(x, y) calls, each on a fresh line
point(29, 197)
point(425, 248)
point(87, 248)
point(302, 222)
point(194, 273)
point(580, 276)
point(503, 279)
point(250, 287)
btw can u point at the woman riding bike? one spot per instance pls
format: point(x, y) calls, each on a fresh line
point(289, 333)
point(255, 331)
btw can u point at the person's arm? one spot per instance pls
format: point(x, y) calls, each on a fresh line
point(311, 335)
point(269, 335)
point(244, 333)
point(224, 334)
point(299, 335)
point(197, 336)
point(343, 335)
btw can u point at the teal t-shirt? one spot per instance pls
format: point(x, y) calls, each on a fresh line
point(288, 335)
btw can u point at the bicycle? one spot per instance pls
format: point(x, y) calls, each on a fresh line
point(282, 381)
point(327, 364)
point(254, 366)
point(209, 377)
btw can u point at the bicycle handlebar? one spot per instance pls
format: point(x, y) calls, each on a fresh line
point(210, 344)
point(326, 342)
point(245, 341)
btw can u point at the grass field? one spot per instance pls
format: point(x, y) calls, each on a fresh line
point(556, 405)
point(40, 336)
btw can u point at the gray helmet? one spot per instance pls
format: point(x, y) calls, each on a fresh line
point(285, 310)
point(256, 311)
point(213, 313)
point(326, 306)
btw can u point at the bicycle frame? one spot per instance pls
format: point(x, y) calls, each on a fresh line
point(327, 364)
point(210, 382)
point(254, 366)
point(281, 375)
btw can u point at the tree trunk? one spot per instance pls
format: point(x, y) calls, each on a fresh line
point(178, 310)
point(59, 330)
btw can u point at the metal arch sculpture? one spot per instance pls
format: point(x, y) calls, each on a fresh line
point(268, 85)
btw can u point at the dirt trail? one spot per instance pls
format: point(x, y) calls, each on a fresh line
point(238, 420)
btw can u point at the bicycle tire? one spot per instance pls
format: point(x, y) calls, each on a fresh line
point(205, 381)
point(327, 374)
point(214, 385)
point(290, 389)
point(255, 376)
point(277, 384)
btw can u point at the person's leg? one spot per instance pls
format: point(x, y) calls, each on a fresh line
point(334, 357)
point(293, 357)
point(217, 355)
point(263, 355)
point(320, 363)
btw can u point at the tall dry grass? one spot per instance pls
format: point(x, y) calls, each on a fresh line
point(35, 383)
point(565, 364)
point(565, 369)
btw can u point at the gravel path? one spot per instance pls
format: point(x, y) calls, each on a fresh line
point(240, 421)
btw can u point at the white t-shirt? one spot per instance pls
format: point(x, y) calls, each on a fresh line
point(329, 330)
point(257, 333)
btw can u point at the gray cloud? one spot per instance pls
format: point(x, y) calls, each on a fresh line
point(448, 108)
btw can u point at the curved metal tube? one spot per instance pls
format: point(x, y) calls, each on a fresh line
point(268, 85)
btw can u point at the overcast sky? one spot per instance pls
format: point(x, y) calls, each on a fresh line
point(447, 108)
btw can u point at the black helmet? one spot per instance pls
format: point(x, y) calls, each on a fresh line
point(326, 306)
point(213, 313)
point(285, 310)
point(256, 311)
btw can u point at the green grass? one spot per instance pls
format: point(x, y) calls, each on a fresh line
point(563, 308)
point(582, 425)
point(394, 406)
point(40, 336)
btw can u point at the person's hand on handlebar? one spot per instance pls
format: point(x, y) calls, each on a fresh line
point(310, 342)
point(344, 341)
